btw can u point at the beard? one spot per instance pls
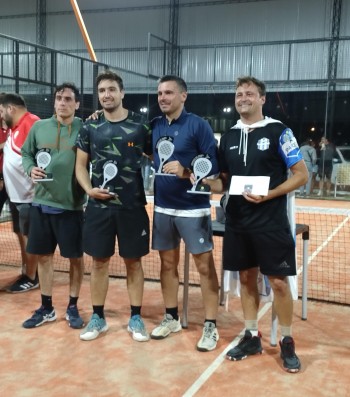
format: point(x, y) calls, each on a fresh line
point(8, 120)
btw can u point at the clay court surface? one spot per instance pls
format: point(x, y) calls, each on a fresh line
point(52, 361)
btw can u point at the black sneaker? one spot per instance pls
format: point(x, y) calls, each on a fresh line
point(40, 317)
point(23, 284)
point(247, 346)
point(291, 362)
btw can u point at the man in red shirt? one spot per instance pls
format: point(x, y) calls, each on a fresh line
point(3, 137)
point(19, 186)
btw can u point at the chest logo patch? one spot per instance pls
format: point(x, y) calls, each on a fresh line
point(263, 144)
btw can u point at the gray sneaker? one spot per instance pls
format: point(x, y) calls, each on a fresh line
point(73, 317)
point(166, 327)
point(137, 329)
point(209, 338)
point(94, 328)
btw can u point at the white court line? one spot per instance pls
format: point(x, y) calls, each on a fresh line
point(325, 243)
point(220, 359)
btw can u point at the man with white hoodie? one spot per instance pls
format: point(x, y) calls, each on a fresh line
point(258, 233)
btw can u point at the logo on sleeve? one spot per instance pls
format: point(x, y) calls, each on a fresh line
point(289, 143)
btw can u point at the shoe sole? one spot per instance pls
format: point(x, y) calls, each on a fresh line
point(94, 336)
point(23, 290)
point(136, 338)
point(292, 370)
point(230, 358)
point(203, 349)
point(159, 337)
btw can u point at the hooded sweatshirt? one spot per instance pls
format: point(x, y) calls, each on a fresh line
point(265, 148)
point(58, 140)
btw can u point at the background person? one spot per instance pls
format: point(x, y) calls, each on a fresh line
point(118, 137)
point(3, 137)
point(308, 151)
point(19, 186)
point(257, 232)
point(56, 215)
point(14, 214)
point(325, 165)
point(180, 215)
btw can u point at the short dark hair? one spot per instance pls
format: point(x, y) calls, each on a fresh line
point(12, 99)
point(70, 86)
point(178, 80)
point(252, 80)
point(109, 75)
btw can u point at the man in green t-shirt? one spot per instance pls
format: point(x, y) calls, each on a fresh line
point(56, 214)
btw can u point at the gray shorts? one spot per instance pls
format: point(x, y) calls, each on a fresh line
point(195, 232)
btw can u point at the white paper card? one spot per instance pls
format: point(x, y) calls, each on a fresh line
point(258, 185)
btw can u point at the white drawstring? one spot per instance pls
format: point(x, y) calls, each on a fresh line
point(244, 135)
point(243, 141)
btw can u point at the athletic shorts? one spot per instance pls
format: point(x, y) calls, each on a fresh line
point(46, 231)
point(325, 170)
point(273, 252)
point(169, 229)
point(22, 218)
point(15, 218)
point(14, 212)
point(3, 197)
point(103, 225)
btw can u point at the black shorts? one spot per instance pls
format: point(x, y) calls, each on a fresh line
point(14, 212)
point(22, 219)
point(102, 225)
point(273, 252)
point(325, 170)
point(3, 197)
point(48, 230)
point(15, 218)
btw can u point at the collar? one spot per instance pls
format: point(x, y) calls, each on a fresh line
point(258, 124)
point(181, 119)
point(19, 121)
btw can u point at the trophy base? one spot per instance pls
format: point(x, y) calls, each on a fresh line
point(198, 192)
point(43, 180)
point(163, 174)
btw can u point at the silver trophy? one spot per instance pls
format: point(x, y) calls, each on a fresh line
point(110, 171)
point(43, 159)
point(165, 150)
point(201, 168)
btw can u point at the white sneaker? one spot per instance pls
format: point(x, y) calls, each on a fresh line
point(137, 329)
point(209, 338)
point(94, 328)
point(166, 327)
